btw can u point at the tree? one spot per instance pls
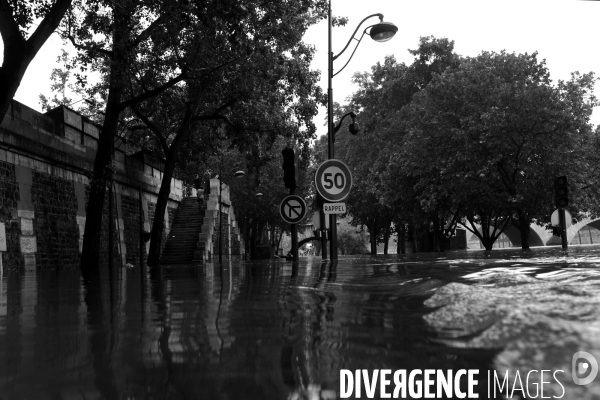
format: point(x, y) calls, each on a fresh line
point(351, 240)
point(16, 17)
point(268, 92)
point(488, 137)
point(380, 97)
point(124, 41)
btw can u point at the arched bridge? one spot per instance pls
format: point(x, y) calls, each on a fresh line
point(539, 235)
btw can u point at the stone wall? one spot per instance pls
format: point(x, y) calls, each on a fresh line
point(45, 164)
point(9, 198)
point(233, 244)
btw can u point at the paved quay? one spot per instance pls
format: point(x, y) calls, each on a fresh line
point(275, 330)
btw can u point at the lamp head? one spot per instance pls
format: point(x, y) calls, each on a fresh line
point(383, 31)
point(240, 174)
point(259, 195)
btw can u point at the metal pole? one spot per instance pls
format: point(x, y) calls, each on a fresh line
point(563, 228)
point(294, 231)
point(323, 235)
point(245, 233)
point(331, 153)
point(110, 225)
point(219, 208)
point(142, 242)
point(332, 217)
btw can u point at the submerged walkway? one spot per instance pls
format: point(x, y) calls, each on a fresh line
point(274, 330)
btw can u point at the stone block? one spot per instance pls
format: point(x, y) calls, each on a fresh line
point(91, 130)
point(29, 261)
point(25, 214)
point(73, 134)
point(40, 166)
point(26, 226)
point(204, 237)
point(28, 244)
point(80, 220)
point(72, 118)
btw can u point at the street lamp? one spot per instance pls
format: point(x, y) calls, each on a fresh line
point(238, 174)
point(380, 32)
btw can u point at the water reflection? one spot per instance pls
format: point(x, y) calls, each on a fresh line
point(281, 330)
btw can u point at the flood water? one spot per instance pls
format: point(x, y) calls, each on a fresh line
point(272, 330)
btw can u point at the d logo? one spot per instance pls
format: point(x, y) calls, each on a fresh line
point(584, 364)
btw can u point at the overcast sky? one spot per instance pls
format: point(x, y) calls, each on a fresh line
point(564, 32)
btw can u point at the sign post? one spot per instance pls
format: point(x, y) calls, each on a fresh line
point(563, 229)
point(562, 218)
point(2, 245)
point(333, 181)
point(293, 210)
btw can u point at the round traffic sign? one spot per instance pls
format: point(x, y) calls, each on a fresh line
point(333, 180)
point(555, 219)
point(292, 209)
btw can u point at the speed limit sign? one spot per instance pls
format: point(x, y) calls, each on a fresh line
point(333, 180)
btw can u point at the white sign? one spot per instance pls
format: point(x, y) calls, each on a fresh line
point(292, 209)
point(555, 220)
point(333, 180)
point(316, 221)
point(2, 238)
point(334, 208)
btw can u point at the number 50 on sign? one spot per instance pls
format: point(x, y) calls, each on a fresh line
point(333, 180)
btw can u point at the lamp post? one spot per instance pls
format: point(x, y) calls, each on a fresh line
point(238, 174)
point(380, 32)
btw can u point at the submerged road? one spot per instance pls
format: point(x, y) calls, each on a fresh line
point(274, 330)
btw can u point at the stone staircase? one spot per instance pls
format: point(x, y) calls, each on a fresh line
point(194, 231)
point(182, 241)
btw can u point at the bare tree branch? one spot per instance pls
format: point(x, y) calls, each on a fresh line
point(153, 128)
point(151, 93)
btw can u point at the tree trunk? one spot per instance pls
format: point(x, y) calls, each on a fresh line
point(386, 239)
point(524, 223)
point(165, 188)
point(436, 232)
point(488, 244)
point(18, 52)
point(442, 234)
point(102, 173)
point(373, 239)
point(11, 74)
point(401, 238)
point(412, 234)
point(101, 177)
point(158, 225)
point(252, 238)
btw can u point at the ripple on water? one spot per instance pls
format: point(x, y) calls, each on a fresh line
point(538, 322)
